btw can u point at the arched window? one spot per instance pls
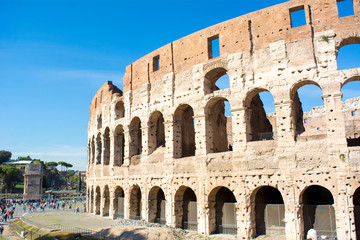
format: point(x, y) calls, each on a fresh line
point(106, 197)
point(348, 55)
point(135, 203)
point(99, 122)
point(184, 132)
point(157, 204)
point(218, 124)
point(156, 131)
point(261, 117)
point(135, 145)
point(119, 146)
point(351, 110)
point(222, 215)
point(308, 110)
point(356, 202)
point(216, 79)
point(186, 209)
point(318, 212)
point(97, 200)
point(119, 110)
point(107, 146)
point(98, 148)
point(119, 202)
point(269, 212)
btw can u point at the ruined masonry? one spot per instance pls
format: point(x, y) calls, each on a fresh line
point(160, 150)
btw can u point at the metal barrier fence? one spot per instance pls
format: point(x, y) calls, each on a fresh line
point(85, 232)
point(22, 232)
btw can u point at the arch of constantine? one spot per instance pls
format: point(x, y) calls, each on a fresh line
point(167, 150)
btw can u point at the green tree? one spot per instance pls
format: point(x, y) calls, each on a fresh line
point(65, 164)
point(78, 189)
point(5, 156)
point(51, 165)
point(9, 175)
point(25, 158)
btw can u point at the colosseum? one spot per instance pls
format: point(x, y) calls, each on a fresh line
point(166, 150)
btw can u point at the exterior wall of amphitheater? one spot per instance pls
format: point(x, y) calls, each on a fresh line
point(160, 144)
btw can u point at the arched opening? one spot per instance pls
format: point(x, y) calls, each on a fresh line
point(318, 212)
point(98, 149)
point(119, 146)
point(348, 55)
point(135, 144)
point(135, 203)
point(119, 110)
point(107, 146)
point(222, 214)
point(119, 202)
point(308, 110)
point(269, 212)
point(97, 200)
point(261, 117)
point(216, 79)
point(184, 132)
point(156, 131)
point(351, 110)
point(157, 203)
point(92, 200)
point(356, 202)
point(218, 125)
point(186, 209)
point(106, 199)
point(93, 150)
point(99, 122)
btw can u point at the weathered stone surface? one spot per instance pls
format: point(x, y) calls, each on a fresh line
point(147, 160)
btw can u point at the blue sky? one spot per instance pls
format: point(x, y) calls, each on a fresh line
point(55, 54)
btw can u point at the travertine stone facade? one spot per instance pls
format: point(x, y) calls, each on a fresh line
point(159, 150)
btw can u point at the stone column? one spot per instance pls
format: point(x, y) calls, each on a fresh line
point(102, 202)
point(239, 129)
point(102, 155)
point(111, 207)
point(200, 135)
point(127, 148)
point(343, 228)
point(336, 137)
point(147, 141)
point(127, 203)
point(112, 151)
point(284, 134)
point(291, 217)
point(169, 140)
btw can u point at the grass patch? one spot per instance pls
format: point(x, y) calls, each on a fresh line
point(61, 235)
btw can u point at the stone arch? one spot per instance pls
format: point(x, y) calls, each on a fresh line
point(211, 77)
point(186, 208)
point(99, 121)
point(157, 205)
point(347, 41)
point(106, 199)
point(317, 211)
point(118, 203)
point(356, 202)
point(135, 145)
point(93, 150)
point(258, 125)
point(218, 126)
point(135, 203)
point(91, 209)
point(184, 132)
point(156, 131)
point(301, 121)
point(119, 145)
point(98, 148)
point(97, 200)
point(222, 211)
point(119, 110)
point(107, 146)
point(351, 94)
point(267, 211)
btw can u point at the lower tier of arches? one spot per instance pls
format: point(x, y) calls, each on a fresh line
point(255, 205)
